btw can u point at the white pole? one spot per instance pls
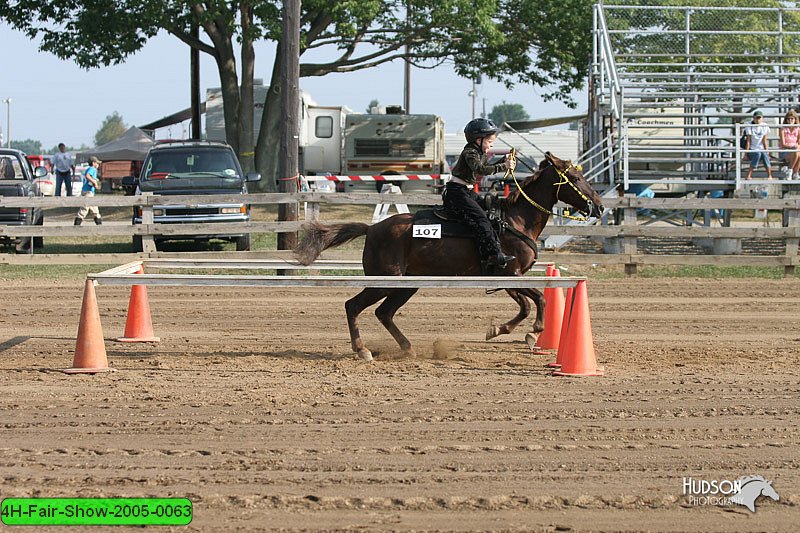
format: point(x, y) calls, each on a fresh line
point(7, 101)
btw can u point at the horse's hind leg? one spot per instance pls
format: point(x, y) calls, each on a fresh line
point(353, 307)
point(386, 311)
point(538, 325)
point(521, 297)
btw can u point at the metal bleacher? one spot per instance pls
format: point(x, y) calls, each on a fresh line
point(672, 87)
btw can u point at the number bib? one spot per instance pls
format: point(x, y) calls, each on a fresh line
point(427, 231)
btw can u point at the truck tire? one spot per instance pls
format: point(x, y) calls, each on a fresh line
point(23, 245)
point(243, 243)
point(38, 242)
point(137, 244)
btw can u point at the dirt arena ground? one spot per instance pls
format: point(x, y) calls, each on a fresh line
point(254, 408)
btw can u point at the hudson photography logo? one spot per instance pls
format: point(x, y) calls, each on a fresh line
point(722, 492)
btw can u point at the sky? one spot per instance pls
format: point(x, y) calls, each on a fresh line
point(56, 101)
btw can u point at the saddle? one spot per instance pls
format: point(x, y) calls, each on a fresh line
point(456, 227)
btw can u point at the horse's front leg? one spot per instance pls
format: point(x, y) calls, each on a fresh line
point(539, 301)
point(353, 307)
point(519, 296)
point(538, 325)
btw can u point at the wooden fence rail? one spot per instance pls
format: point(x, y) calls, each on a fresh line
point(375, 198)
point(626, 232)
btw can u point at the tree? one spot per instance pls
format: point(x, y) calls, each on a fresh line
point(112, 128)
point(545, 43)
point(71, 149)
point(506, 112)
point(29, 146)
point(372, 103)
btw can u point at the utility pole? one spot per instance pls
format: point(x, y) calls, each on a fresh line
point(407, 83)
point(288, 168)
point(407, 70)
point(194, 62)
point(473, 93)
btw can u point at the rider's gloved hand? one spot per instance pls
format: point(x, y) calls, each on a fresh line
point(510, 164)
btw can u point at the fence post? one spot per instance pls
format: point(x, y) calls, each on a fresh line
point(629, 243)
point(792, 244)
point(148, 242)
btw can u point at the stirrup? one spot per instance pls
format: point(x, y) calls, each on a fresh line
point(501, 259)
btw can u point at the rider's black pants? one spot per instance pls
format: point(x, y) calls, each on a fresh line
point(463, 203)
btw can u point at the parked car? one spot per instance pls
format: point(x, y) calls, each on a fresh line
point(17, 180)
point(197, 168)
point(46, 185)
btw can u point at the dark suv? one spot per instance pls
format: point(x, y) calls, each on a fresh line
point(193, 167)
point(17, 179)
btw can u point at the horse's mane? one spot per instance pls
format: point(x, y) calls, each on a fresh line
point(514, 195)
point(747, 479)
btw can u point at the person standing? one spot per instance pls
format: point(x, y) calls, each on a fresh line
point(758, 144)
point(90, 184)
point(64, 166)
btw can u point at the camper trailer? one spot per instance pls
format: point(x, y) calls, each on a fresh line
point(374, 144)
point(336, 141)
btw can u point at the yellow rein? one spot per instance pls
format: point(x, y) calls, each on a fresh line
point(512, 156)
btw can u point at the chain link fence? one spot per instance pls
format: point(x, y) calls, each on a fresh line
point(720, 39)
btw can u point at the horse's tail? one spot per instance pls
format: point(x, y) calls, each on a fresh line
point(319, 237)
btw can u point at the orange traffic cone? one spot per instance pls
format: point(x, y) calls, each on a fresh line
point(90, 348)
point(562, 338)
point(476, 187)
point(506, 190)
point(138, 326)
point(579, 359)
point(553, 316)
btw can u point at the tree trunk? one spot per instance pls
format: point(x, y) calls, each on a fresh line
point(245, 151)
point(268, 144)
point(226, 65)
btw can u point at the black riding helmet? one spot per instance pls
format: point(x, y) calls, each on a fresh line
point(479, 128)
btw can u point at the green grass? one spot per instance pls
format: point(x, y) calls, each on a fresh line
point(49, 272)
point(78, 272)
point(702, 271)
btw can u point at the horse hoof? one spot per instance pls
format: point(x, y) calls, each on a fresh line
point(530, 339)
point(492, 332)
point(365, 355)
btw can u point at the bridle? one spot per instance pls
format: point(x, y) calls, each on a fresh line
point(564, 180)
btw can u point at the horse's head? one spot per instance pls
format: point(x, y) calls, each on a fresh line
point(751, 487)
point(768, 491)
point(570, 186)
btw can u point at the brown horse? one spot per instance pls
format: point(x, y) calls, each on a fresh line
point(390, 250)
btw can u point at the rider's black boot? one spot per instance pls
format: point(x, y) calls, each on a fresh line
point(501, 260)
point(494, 262)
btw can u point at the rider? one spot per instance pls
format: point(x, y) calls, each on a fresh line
point(461, 201)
